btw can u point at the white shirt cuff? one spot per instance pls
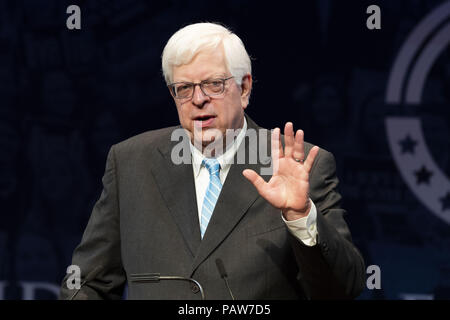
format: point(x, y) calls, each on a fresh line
point(304, 229)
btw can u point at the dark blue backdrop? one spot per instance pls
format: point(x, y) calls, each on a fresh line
point(67, 96)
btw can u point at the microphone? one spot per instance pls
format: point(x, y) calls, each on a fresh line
point(156, 277)
point(91, 275)
point(223, 275)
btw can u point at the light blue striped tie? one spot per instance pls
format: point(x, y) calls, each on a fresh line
point(212, 192)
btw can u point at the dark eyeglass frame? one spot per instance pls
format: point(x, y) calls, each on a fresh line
point(200, 84)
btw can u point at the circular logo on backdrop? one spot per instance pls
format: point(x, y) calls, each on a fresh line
point(405, 134)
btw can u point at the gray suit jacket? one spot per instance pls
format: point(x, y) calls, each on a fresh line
point(146, 221)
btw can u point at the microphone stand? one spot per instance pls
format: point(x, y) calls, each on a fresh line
point(156, 277)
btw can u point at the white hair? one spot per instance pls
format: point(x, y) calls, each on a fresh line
point(187, 42)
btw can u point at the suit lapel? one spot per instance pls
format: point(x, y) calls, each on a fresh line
point(237, 195)
point(176, 183)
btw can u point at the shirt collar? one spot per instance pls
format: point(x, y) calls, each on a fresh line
point(225, 160)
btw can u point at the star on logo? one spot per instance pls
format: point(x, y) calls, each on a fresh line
point(408, 145)
point(445, 201)
point(423, 175)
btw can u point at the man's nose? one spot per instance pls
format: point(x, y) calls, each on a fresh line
point(199, 98)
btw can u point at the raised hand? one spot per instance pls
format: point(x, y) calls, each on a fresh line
point(288, 187)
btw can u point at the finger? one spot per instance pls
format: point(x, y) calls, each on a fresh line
point(311, 157)
point(259, 183)
point(277, 148)
point(288, 139)
point(299, 146)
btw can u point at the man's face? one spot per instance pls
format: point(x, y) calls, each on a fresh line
point(208, 115)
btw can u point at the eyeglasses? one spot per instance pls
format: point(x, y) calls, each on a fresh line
point(210, 87)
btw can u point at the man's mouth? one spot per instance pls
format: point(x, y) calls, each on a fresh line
point(204, 121)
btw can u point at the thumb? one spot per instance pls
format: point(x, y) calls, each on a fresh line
point(256, 180)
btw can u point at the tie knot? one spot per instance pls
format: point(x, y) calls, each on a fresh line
point(212, 165)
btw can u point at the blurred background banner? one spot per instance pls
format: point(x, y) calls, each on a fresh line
point(379, 100)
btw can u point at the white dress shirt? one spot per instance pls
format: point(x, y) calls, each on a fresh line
point(303, 229)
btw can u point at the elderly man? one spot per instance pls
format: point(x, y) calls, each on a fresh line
point(213, 227)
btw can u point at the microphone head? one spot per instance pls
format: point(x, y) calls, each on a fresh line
point(221, 268)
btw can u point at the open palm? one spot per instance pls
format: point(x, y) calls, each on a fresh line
point(288, 187)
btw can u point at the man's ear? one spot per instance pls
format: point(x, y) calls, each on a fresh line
point(246, 89)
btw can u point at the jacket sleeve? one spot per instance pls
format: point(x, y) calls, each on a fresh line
point(100, 245)
point(333, 268)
